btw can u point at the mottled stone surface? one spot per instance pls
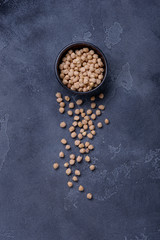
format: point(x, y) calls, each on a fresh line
point(35, 203)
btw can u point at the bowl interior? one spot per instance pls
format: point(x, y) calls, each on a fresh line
point(77, 46)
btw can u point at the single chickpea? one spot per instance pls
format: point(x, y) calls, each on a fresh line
point(66, 164)
point(80, 136)
point(81, 145)
point(89, 196)
point(79, 159)
point(81, 188)
point(61, 154)
point(86, 144)
point(70, 51)
point(100, 76)
point(70, 184)
point(79, 102)
point(71, 129)
point(89, 111)
point(90, 147)
point(70, 113)
point(58, 95)
point(81, 110)
point(84, 134)
point(73, 55)
point(55, 166)
point(90, 122)
point(59, 100)
point(101, 107)
point(98, 112)
point(67, 98)
point(62, 104)
point(93, 132)
point(77, 142)
point(92, 167)
point(93, 105)
point(61, 110)
point(93, 98)
point(75, 179)
point(71, 105)
point(81, 130)
point(75, 123)
point(84, 122)
point(71, 162)
point(82, 150)
point(68, 171)
point(99, 125)
point(68, 147)
point(77, 111)
point(77, 173)
point(61, 66)
point(91, 52)
point(86, 50)
point(76, 118)
point(83, 115)
point(80, 124)
point(93, 116)
point(72, 156)
point(87, 150)
point(64, 141)
point(89, 135)
point(92, 127)
point(106, 121)
point(87, 159)
point(73, 134)
point(62, 124)
point(101, 95)
point(87, 118)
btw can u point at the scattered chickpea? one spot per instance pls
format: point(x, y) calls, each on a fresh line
point(87, 150)
point(55, 166)
point(87, 118)
point(71, 105)
point(75, 123)
point(70, 184)
point(89, 195)
point(90, 147)
point(70, 113)
point(59, 100)
point(67, 98)
point(93, 98)
point(84, 134)
point(77, 142)
point(68, 171)
point(81, 145)
point(92, 127)
point(93, 116)
point(93, 105)
point(71, 129)
point(64, 141)
point(58, 95)
point(89, 111)
point(80, 124)
point(87, 159)
point(81, 110)
point(92, 167)
point(62, 104)
point(101, 95)
point(90, 122)
point(80, 136)
point(93, 132)
point(72, 156)
point(61, 110)
point(106, 121)
point(99, 125)
point(62, 124)
point(73, 134)
point(71, 161)
point(83, 115)
point(89, 135)
point(61, 154)
point(81, 188)
point(76, 118)
point(98, 112)
point(85, 126)
point(86, 144)
point(79, 102)
point(79, 159)
point(77, 111)
point(101, 107)
point(77, 173)
point(82, 150)
point(66, 164)
point(75, 179)
point(68, 147)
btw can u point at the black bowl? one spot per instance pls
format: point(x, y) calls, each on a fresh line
point(75, 46)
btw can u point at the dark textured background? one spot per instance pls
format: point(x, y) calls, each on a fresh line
point(35, 203)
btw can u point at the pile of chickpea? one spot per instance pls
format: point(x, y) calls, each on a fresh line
point(82, 127)
point(81, 70)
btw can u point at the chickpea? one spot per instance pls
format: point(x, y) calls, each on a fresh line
point(93, 132)
point(62, 104)
point(71, 105)
point(61, 154)
point(71, 129)
point(68, 147)
point(77, 173)
point(68, 171)
point(87, 118)
point(89, 111)
point(73, 55)
point(86, 50)
point(82, 150)
point(98, 112)
point(79, 159)
point(90, 122)
point(61, 110)
point(75, 179)
point(92, 127)
point(70, 184)
point(79, 102)
point(101, 95)
point(106, 121)
point(89, 196)
point(87, 159)
point(77, 111)
point(81, 130)
point(85, 126)
point(62, 124)
point(83, 115)
point(93, 98)
point(58, 95)
point(93, 116)
point(73, 134)
point(99, 125)
point(66, 164)
point(80, 136)
point(77, 142)
point(89, 135)
point(93, 105)
point(70, 113)
point(55, 166)
point(75, 123)
point(90, 147)
point(59, 100)
point(67, 98)
point(80, 124)
point(71, 162)
point(81, 145)
point(64, 141)
point(76, 118)
point(84, 134)
point(81, 188)
point(92, 167)
point(86, 144)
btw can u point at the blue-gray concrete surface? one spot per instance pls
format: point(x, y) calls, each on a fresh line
point(35, 203)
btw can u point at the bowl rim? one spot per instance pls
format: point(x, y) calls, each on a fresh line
point(61, 52)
